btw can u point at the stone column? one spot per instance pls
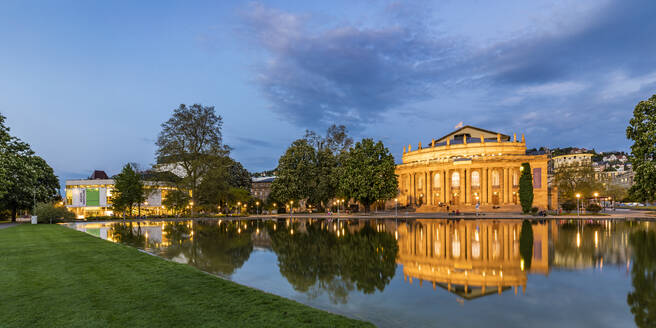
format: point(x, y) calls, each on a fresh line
point(443, 185)
point(429, 188)
point(483, 187)
point(461, 191)
point(505, 185)
point(489, 185)
point(447, 190)
point(412, 189)
point(468, 187)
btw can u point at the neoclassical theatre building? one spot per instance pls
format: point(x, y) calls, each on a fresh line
point(468, 166)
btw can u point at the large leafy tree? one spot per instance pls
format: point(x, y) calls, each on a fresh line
point(642, 131)
point(192, 140)
point(296, 172)
point(219, 184)
point(526, 188)
point(128, 189)
point(24, 177)
point(367, 173)
point(573, 179)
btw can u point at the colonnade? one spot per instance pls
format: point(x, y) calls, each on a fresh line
point(469, 185)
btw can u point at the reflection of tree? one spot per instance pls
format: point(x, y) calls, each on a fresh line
point(125, 233)
point(217, 248)
point(526, 244)
point(643, 298)
point(221, 248)
point(320, 260)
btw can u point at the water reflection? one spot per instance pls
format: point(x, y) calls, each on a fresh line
point(334, 257)
point(351, 265)
point(642, 299)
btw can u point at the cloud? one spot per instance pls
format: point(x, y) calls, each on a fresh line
point(314, 77)
point(591, 68)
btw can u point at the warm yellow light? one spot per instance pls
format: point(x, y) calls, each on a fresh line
point(596, 194)
point(257, 203)
point(578, 195)
point(578, 239)
point(521, 264)
point(396, 199)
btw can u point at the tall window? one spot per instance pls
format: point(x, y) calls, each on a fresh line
point(420, 183)
point(455, 179)
point(495, 178)
point(476, 179)
point(436, 181)
point(515, 179)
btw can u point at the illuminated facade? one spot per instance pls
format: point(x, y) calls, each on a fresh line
point(470, 166)
point(93, 197)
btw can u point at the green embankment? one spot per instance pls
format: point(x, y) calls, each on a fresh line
point(52, 276)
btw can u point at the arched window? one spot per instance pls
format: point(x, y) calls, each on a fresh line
point(436, 181)
point(495, 178)
point(455, 179)
point(476, 179)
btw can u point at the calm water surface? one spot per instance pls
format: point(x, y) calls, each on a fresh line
point(426, 272)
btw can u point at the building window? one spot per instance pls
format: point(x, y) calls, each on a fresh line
point(436, 181)
point(495, 178)
point(455, 179)
point(515, 179)
point(420, 183)
point(537, 178)
point(476, 179)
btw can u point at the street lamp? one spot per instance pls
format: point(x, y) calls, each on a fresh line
point(578, 196)
point(257, 209)
point(396, 207)
point(238, 207)
point(596, 194)
point(291, 207)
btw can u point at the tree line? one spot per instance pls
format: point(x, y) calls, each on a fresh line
point(25, 178)
point(317, 169)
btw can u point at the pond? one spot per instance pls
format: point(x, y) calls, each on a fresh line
point(426, 272)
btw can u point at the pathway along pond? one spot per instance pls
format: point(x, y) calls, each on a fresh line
point(426, 272)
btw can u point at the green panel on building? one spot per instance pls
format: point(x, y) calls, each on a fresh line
point(93, 197)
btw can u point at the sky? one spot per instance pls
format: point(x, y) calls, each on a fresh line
point(88, 83)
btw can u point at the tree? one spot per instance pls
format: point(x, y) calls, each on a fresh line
point(573, 179)
point(128, 189)
point(50, 213)
point(296, 172)
point(24, 177)
point(526, 188)
point(642, 131)
point(192, 139)
point(367, 173)
point(176, 200)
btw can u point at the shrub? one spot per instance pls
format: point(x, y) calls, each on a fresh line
point(49, 213)
point(534, 210)
point(593, 208)
point(569, 206)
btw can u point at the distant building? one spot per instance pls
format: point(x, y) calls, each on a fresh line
point(261, 187)
point(93, 196)
point(572, 160)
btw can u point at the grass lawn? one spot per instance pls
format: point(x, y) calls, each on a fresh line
point(52, 276)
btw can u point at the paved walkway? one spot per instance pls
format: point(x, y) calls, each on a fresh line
point(7, 225)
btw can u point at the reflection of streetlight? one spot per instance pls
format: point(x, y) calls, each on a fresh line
point(396, 206)
point(577, 204)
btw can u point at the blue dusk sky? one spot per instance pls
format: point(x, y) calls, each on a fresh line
point(88, 83)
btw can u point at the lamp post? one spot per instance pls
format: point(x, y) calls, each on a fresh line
point(291, 208)
point(578, 196)
point(238, 207)
point(257, 207)
point(596, 194)
point(396, 207)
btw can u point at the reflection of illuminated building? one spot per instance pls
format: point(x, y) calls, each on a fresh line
point(470, 258)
